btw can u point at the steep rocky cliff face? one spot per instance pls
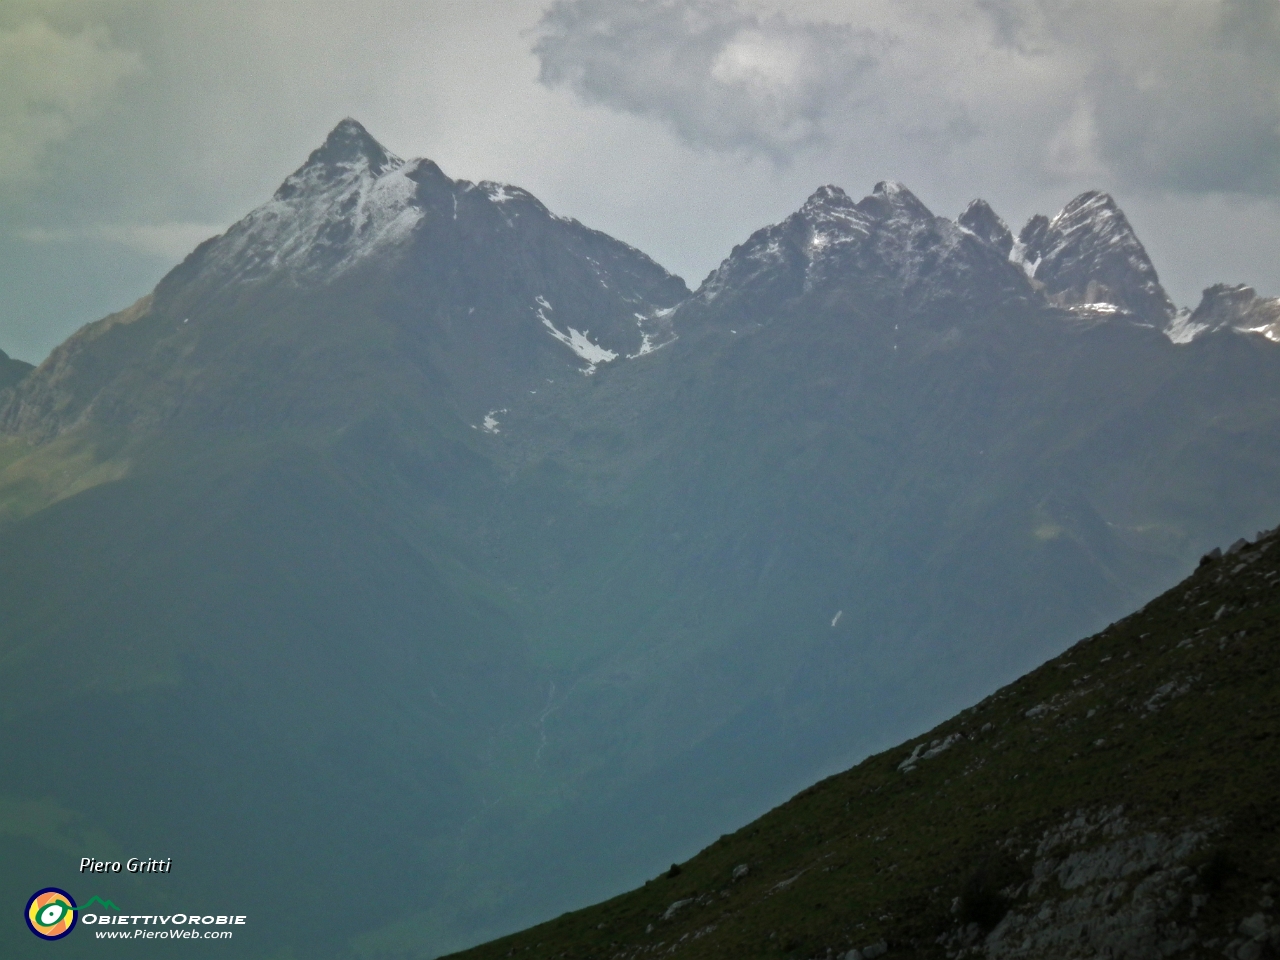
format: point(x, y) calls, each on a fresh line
point(886, 253)
point(1121, 801)
point(984, 222)
point(1089, 257)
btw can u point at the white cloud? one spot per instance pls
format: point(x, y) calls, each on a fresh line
point(718, 76)
point(1178, 95)
point(50, 83)
point(1072, 151)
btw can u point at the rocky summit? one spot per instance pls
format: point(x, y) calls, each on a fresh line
point(1088, 258)
point(1226, 307)
point(479, 283)
point(411, 527)
point(984, 222)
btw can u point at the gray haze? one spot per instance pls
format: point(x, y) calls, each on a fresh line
point(129, 130)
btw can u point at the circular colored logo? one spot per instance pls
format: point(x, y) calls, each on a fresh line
point(51, 913)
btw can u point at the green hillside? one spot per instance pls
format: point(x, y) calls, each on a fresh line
point(1121, 800)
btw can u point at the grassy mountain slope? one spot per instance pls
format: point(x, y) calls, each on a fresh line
point(1122, 799)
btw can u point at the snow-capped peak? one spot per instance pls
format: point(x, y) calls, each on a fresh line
point(1092, 218)
point(890, 200)
point(833, 241)
point(983, 222)
point(1225, 307)
point(1089, 253)
point(833, 219)
point(825, 197)
point(349, 149)
point(831, 216)
point(350, 198)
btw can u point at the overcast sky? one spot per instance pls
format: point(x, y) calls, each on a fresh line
point(132, 129)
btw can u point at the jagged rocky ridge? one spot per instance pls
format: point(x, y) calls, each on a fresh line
point(1232, 308)
point(888, 247)
point(354, 208)
point(1089, 258)
point(1121, 800)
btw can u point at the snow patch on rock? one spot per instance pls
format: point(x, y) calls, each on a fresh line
point(1182, 329)
point(575, 340)
point(490, 424)
point(655, 332)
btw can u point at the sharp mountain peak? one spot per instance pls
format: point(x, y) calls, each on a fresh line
point(1089, 256)
point(828, 195)
point(1091, 203)
point(887, 198)
point(983, 222)
point(891, 200)
point(1226, 306)
point(350, 142)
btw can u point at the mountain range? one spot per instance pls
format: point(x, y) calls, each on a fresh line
point(409, 537)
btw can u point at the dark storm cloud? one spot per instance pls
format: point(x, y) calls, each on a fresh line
point(718, 76)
